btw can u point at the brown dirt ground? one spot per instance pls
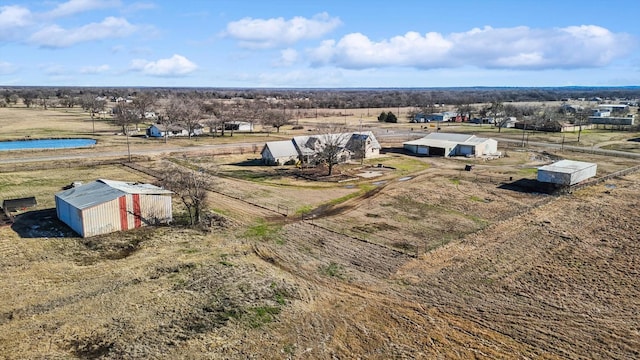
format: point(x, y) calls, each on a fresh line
point(499, 273)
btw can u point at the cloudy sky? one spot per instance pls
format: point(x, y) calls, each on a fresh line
point(319, 44)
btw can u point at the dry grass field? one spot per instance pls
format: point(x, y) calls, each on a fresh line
point(423, 261)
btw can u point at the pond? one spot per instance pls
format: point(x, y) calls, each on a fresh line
point(45, 144)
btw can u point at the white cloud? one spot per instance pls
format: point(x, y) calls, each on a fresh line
point(301, 78)
point(94, 69)
point(56, 37)
point(512, 48)
point(7, 68)
point(12, 20)
point(139, 6)
point(72, 7)
point(268, 33)
point(53, 69)
point(177, 65)
point(287, 57)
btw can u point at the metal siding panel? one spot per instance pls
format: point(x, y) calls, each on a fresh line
point(69, 215)
point(136, 210)
point(122, 209)
point(583, 174)
point(155, 208)
point(102, 219)
point(129, 211)
point(554, 177)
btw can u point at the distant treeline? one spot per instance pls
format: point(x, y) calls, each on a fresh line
point(339, 98)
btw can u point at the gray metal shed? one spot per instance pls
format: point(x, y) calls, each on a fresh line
point(566, 172)
point(105, 206)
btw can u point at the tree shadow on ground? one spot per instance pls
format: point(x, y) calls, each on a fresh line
point(41, 224)
point(530, 186)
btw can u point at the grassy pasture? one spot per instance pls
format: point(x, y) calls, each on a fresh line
point(499, 273)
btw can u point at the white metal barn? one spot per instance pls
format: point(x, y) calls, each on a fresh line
point(446, 144)
point(105, 206)
point(566, 172)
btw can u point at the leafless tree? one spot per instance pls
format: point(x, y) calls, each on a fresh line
point(276, 118)
point(185, 112)
point(191, 187)
point(331, 148)
point(124, 115)
point(143, 103)
point(465, 109)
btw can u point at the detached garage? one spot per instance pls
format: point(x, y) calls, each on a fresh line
point(105, 206)
point(566, 172)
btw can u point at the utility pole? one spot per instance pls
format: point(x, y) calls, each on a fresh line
point(126, 133)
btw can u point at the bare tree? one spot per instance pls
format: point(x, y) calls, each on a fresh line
point(331, 149)
point(93, 105)
point(124, 115)
point(276, 119)
point(185, 112)
point(211, 111)
point(191, 186)
point(143, 103)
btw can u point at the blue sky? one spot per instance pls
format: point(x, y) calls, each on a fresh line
point(319, 44)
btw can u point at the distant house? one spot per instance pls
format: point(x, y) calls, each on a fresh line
point(435, 117)
point(160, 130)
point(571, 108)
point(150, 115)
point(240, 126)
point(105, 206)
point(279, 153)
point(197, 130)
point(614, 108)
point(446, 144)
point(508, 122)
point(566, 172)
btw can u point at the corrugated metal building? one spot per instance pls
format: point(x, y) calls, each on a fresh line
point(566, 172)
point(447, 144)
point(105, 206)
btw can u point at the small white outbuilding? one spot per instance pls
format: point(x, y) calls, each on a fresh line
point(566, 172)
point(105, 206)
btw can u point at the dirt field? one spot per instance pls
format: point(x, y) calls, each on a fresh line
point(425, 260)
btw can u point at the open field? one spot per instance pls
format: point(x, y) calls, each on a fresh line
point(424, 260)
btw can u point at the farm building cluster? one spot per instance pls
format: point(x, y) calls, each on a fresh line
point(303, 149)
point(161, 130)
